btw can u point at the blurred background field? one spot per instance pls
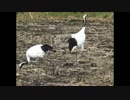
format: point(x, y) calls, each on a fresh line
point(24, 16)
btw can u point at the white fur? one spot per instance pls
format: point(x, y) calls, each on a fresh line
point(84, 16)
point(35, 52)
point(80, 37)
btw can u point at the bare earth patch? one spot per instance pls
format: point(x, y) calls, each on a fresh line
point(95, 66)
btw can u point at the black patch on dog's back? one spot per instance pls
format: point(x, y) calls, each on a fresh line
point(46, 47)
point(72, 43)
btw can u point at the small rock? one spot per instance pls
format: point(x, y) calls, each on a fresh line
point(69, 64)
point(17, 74)
point(93, 64)
point(81, 61)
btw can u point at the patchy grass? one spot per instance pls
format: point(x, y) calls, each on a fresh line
point(25, 16)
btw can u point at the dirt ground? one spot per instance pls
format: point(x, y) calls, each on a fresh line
point(95, 65)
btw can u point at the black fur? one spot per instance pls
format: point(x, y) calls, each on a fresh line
point(72, 43)
point(47, 47)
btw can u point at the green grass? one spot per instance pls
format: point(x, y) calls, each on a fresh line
point(24, 16)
